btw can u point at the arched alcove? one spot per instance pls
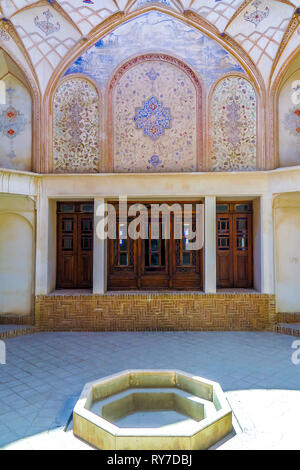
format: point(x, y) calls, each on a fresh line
point(16, 264)
point(156, 116)
point(289, 115)
point(76, 126)
point(233, 125)
point(15, 117)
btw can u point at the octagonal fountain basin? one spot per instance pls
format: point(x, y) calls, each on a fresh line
point(152, 410)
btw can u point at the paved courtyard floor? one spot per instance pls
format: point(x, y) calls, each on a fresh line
point(46, 372)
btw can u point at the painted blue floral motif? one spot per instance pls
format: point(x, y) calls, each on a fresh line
point(45, 25)
point(257, 15)
point(144, 2)
point(152, 75)
point(203, 54)
point(155, 161)
point(153, 118)
point(12, 122)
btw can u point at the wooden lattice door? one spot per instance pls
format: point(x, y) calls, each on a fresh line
point(75, 245)
point(234, 245)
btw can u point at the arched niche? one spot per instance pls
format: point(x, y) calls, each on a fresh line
point(16, 264)
point(233, 125)
point(289, 115)
point(155, 123)
point(76, 146)
point(15, 117)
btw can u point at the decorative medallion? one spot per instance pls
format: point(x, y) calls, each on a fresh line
point(153, 118)
point(12, 123)
point(292, 121)
point(256, 16)
point(45, 25)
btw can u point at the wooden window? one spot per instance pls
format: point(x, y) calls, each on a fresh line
point(156, 262)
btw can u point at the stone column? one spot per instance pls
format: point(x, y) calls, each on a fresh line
point(100, 251)
point(210, 258)
point(267, 244)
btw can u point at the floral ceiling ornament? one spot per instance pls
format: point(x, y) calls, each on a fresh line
point(153, 118)
point(3, 35)
point(152, 75)
point(45, 25)
point(256, 16)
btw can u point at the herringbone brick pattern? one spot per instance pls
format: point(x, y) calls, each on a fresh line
point(155, 311)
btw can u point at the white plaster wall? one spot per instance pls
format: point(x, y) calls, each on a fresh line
point(16, 256)
point(257, 284)
point(287, 243)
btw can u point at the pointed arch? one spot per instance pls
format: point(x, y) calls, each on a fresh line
point(192, 77)
point(75, 143)
point(275, 93)
point(234, 147)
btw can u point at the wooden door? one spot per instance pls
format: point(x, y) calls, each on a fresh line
point(75, 245)
point(234, 245)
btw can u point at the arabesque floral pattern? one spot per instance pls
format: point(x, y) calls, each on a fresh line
point(173, 145)
point(233, 125)
point(76, 127)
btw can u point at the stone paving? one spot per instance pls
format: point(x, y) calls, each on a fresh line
point(45, 374)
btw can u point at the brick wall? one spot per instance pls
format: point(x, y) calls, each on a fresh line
point(160, 311)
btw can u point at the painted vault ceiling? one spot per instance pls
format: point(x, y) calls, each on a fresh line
point(40, 34)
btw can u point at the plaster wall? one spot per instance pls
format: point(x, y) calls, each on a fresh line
point(287, 235)
point(16, 255)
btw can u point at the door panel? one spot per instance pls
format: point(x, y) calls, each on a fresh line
point(67, 256)
point(224, 251)
point(242, 250)
point(85, 251)
point(154, 254)
point(122, 270)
